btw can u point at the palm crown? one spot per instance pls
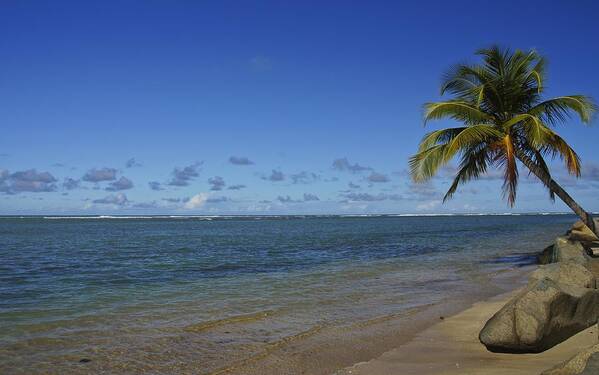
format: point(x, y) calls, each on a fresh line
point(504, 119)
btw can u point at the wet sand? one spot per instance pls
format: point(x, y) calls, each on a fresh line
point(451, 347)
point(328, 350)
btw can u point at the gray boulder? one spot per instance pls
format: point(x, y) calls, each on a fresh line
point(564, 249)
point(584, 363)
point(569, 272)
point(543, 315)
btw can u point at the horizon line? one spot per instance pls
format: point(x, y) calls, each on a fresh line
point(166, 216)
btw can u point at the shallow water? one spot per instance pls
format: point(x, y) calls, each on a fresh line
point(130, 295)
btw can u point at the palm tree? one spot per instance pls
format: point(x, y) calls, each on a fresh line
point(504, 120)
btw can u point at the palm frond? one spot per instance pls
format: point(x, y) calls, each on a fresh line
point(474, 164)
point(438, 136)
point(506, 159)
point(425, 164)
point(437, 148)
point(494, 58)
point(458, 83)
point(473, 135)
point(536, 75)
point(455, 109)
point(558, 110)
point(520, 63)
point(558, 146)
point(531, 127)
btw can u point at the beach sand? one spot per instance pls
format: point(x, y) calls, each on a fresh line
point(451, 347)
point(329, 350)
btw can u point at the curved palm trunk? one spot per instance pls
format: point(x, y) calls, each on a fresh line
point(586, 217)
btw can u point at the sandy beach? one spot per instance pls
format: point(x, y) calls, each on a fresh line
point(328, 350)
point(451, 347)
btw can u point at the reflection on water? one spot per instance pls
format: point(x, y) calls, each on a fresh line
point(143, 294)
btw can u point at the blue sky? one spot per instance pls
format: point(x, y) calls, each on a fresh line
point(181, 107)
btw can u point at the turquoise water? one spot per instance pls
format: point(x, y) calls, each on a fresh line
point(137, 294)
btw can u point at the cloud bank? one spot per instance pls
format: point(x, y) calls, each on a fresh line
point(29, 180)
point(99, 175)
point(183, 176)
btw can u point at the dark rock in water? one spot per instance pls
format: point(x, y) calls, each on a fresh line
point(583, 363)
point(546, 256)
point(85, 360)
point(544, 315)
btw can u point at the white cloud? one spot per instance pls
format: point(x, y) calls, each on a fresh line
point(469, 207)
point(119, 199)
point(427, 206)
point(196, 201)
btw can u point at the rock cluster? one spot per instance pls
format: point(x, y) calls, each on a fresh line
point(561, 299)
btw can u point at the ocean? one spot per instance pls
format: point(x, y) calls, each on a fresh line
point(206, 295)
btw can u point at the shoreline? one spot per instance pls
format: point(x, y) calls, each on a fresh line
point(332, 349)
point(451, 347)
